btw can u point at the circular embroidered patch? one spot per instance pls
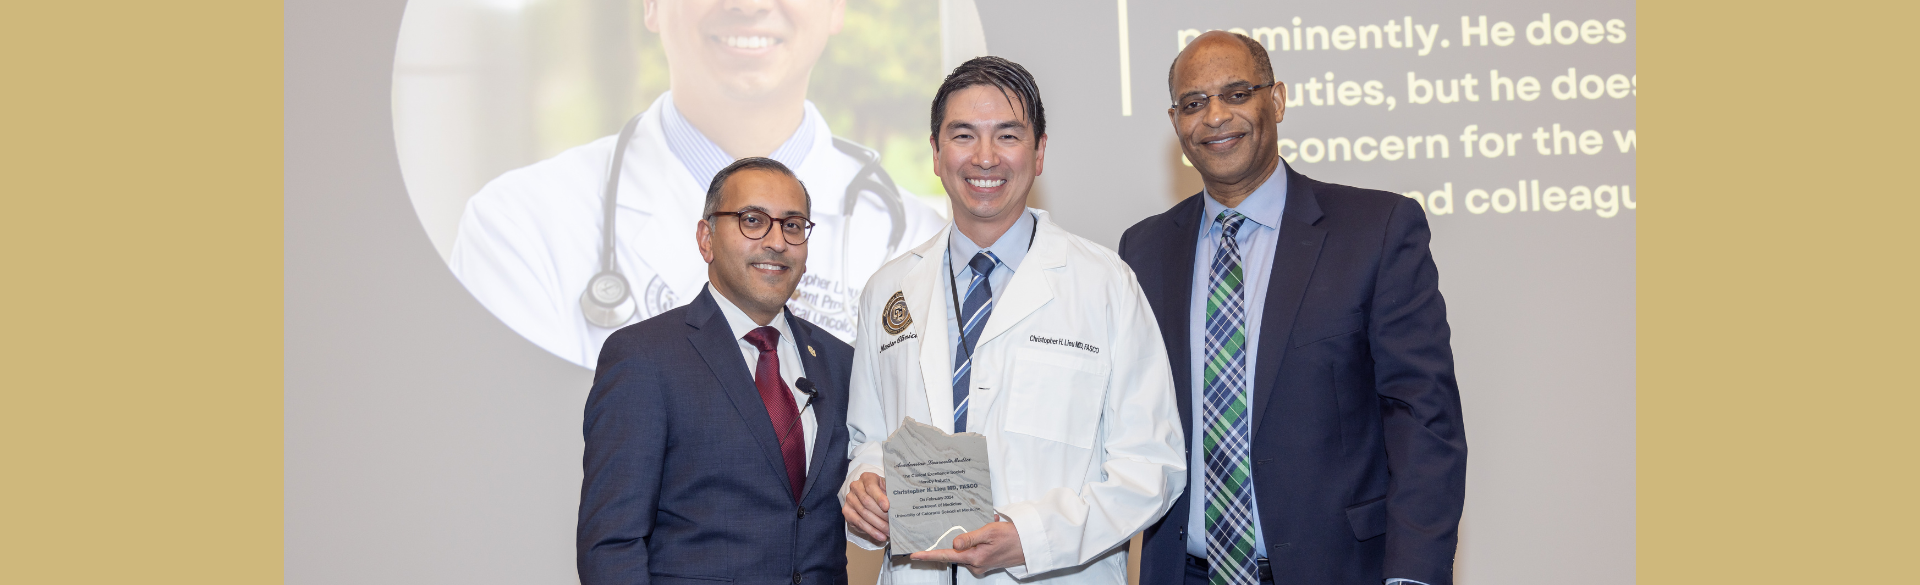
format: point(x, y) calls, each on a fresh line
point(895, 317)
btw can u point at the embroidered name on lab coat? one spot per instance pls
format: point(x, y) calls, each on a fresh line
point(897, 340)
point(1063, 343)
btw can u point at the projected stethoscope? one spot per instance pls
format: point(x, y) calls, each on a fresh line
point(608, 300)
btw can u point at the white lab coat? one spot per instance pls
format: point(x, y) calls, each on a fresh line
point(530, 239)
point(1071, 389)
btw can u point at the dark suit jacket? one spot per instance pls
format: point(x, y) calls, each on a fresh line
point(684, 481)
point(1359, 459)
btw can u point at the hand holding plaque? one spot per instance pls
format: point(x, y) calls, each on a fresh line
point(937, 486)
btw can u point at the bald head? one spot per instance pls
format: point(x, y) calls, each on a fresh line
point(1226, 109)
point(1263, 67)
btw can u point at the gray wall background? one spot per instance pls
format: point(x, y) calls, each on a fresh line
point(427, 443)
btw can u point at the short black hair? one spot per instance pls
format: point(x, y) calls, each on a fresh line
point(1008, 76)
point(747, 164)
point(1260, 60)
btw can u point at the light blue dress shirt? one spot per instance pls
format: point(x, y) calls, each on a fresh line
point(704, 159)
point(1011, 249)
point(1257, 239)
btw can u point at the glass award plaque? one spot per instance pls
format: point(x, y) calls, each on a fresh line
point(937, 486)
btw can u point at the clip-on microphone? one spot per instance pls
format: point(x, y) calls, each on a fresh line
point(806, 387)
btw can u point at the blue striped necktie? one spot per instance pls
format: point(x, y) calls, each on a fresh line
point(1228, 445)
point(973, 319)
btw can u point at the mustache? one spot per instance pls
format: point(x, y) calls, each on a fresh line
point(771, 258)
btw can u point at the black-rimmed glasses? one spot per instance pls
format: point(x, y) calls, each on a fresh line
point(1233, 97)
point(755, 224)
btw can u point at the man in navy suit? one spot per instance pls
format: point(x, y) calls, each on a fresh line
point(716, 432)
point(1310, 353)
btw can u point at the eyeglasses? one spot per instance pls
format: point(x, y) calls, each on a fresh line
point(754, 224)
point(1233, 97)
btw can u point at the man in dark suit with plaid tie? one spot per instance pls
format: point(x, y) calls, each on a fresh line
point(716, 432)
point(1310, 356)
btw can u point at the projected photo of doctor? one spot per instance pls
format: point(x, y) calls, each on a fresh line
point(601, 235)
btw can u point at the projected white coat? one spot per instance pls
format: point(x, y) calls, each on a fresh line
point(531, 240)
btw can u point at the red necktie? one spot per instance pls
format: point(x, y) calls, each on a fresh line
point(780, 406)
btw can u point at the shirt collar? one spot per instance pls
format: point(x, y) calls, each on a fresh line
point(704, 159)
point(741, 324)
point(1010, 249)
point(1265, 206)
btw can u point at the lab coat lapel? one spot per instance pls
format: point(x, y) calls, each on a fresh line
point(664, 181)
point(715, 342)
point(922, 288)
point(656, 186)
point(1295, 254)
point(1030, 288)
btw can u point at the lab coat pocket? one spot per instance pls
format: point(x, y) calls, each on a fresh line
point(1057, 397)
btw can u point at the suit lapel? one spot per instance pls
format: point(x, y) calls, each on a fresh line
point(714, 340)
point(1176, 298)
point(824, 408)
point(1295, 255)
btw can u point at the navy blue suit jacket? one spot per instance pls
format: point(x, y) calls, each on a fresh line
point(684, 482)
point(1359, 459)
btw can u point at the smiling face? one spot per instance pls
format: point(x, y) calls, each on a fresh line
point(744, 48)
point(756, 275)
point(1235, 147)
point(987, 158)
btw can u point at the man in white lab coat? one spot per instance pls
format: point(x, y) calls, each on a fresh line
point(532, 240)
point(1006, 325)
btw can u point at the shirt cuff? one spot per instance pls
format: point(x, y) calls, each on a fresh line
point(862, 542)
point(1397, 581)
point(1034, 544)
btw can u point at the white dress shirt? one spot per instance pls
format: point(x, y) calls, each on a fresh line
point(791, 369)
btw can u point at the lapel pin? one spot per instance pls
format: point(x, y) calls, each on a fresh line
point(811, 352)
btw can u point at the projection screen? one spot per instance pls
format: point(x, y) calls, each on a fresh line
point(447, 173)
